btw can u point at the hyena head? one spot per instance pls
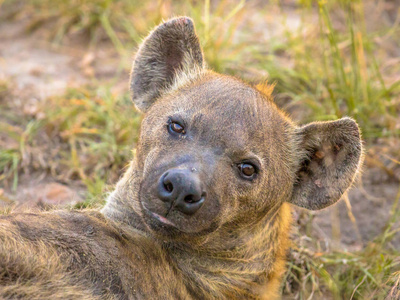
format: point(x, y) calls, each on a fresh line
point(214, 150)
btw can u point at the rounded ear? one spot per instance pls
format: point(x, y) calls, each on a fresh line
point(329, 157)
point(172, 49)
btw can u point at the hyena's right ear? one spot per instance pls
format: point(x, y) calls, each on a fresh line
point(171, 48)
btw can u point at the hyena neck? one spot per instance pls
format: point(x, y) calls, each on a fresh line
point(122, 205)
point(237, 267)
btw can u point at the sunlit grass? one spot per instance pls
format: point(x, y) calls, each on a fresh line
point(370, 273)
point(336, 72)
point(100, 130)
point(90, 135)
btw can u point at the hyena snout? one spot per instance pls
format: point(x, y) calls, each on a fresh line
point(182, 189)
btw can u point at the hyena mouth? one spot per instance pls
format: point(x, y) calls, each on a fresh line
point(157, 217)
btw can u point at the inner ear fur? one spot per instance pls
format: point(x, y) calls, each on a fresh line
point(170, 49)
point(329, 157)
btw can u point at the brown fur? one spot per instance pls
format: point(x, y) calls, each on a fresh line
point(234, 246)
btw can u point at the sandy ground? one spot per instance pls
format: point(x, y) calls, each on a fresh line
point(37, 70)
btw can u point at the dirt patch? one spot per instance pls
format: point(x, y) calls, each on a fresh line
point(47, 194)
point(33, 65)
point(351, 224)
point(41, 69)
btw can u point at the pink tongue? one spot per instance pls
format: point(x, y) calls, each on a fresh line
point(164, 220)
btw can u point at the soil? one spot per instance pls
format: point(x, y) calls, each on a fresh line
point(345, 227)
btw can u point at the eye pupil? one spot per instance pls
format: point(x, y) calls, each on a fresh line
point(177, 128)
point(247, 169)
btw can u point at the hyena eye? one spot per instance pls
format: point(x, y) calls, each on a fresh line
point(176, 127)
point(247, 170)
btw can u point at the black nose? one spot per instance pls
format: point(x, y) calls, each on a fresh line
point(182, 189)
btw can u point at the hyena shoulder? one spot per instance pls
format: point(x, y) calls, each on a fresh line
point(79, 255)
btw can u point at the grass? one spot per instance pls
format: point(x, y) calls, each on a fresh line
point(125, 22)
point(335, 71)
point(334, 68)
point(86, 131)
point(370, 273)
point(99, 129)
point(336, 65)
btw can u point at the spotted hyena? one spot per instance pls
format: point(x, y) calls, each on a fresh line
point(203, 212)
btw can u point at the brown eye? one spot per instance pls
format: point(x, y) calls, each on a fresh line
point(176, 127)
point(247, 170)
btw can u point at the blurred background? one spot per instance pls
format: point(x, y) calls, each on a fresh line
point(68, 127)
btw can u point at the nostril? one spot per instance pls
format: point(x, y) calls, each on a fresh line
point(166, 188)
point(190, 199)
point(169, 187)
point(193, 198)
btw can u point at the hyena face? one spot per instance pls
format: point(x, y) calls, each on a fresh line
point(215, 151)
point(209, 153)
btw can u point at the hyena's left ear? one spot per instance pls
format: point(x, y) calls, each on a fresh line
point(171, 48)
point(329, 155)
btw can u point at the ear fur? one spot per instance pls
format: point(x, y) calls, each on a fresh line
point(171, 49)
point(329, 158)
